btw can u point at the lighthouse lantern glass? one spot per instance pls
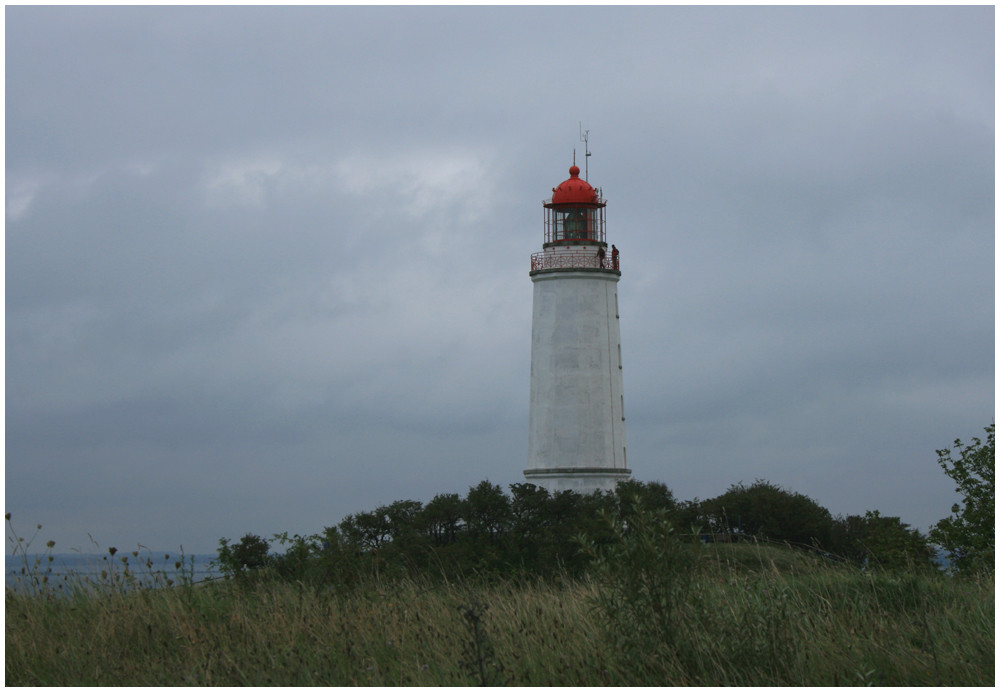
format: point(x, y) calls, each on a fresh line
point(574, 223)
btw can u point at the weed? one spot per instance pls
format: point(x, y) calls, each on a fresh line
point(478, 655)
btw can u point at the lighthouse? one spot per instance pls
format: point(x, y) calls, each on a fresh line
point(576, 438)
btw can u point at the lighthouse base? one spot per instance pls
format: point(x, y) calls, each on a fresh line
point(582, 479)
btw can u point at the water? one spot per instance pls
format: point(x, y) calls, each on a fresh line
point(66, 569)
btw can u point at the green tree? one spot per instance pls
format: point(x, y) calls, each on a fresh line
point(969, 535)
point(528, 508)
point(366, 531)
point(239, 558)
point(487, 511)
point(875, 539)
point(566, 515)
point(299, 556)
point(644, 574)
point(689, 515)
point(441, 518)
point(650, 496)
point(403, 518)
point(769, 511)
point(529, 526)
point(408, 545)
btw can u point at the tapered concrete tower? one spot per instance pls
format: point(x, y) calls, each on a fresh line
point(576, 439)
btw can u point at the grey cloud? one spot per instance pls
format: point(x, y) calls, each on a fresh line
point(268, 266)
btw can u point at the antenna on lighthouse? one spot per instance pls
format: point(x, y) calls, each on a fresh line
point(584, 136)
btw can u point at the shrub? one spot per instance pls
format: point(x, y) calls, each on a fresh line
point(873, 539)
point(239, 559)
point(769, 511)
point(969, 535)
point(644, 576)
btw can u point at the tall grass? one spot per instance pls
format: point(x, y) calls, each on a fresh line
point(748, 615)
point(828, 626)
point(740, 619)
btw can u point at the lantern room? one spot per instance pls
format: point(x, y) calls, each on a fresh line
point(575, 214)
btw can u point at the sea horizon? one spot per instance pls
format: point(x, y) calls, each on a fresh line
point(148, 567)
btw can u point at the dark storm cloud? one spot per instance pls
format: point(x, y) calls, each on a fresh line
point(267, 266)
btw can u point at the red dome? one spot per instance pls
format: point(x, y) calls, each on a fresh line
point(574, 190)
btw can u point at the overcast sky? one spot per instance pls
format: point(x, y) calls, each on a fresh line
point(266, 267)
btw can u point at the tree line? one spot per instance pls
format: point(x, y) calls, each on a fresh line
point(530, 531)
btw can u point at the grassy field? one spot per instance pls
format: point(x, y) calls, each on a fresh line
point(720, 615)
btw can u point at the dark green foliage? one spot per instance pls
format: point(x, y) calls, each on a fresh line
point(877, 540)
point(689, 517)
point(239, 559)
point(531, 533)
point(488, 533)
point(487, 511)
point(566, 515)
point(651, 495)
point(528, 511)
point(299, 556)
point(768, 511)
point(530, 525)
point(969, 535)
point(320, 559)
point(402, 516)
point(645, 573)
point(441, 519)
point(366, 530)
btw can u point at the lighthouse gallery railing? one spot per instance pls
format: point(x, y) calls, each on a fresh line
point(586, 259)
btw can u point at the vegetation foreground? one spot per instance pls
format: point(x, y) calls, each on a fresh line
point(722, 614)
point(543, 590)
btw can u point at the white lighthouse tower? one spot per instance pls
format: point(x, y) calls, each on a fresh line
point(576, 439)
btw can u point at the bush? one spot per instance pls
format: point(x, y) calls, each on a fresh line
point(877, 540)
point(969, 535)
point(644, 576)
point(250, 554)
point(766, 510)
